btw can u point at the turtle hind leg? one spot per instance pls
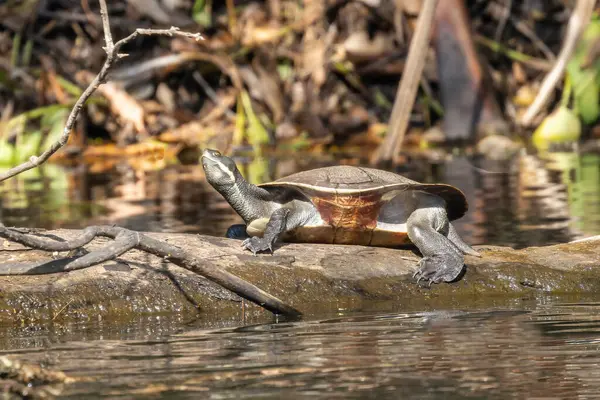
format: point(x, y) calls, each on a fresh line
point(442, 260)
point(237, 231)
point(275, 227)
point(458, 242)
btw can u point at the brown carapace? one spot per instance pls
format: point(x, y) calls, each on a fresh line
point(350, 202)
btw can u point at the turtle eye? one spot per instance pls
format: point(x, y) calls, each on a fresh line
point(216, 153)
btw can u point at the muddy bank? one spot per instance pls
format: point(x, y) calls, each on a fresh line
point(312, 278)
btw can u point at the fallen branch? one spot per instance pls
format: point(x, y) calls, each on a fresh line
point(407, 91)
point(126, 240)
point(112, 54)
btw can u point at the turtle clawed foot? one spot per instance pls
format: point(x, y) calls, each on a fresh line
point(439, 268)
point(256, 244)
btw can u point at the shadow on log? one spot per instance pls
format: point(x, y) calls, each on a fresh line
point(310, 277)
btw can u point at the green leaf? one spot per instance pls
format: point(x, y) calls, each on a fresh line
point(585, 92)
point(202, 12)
point(54, 122)
point(586, 81)
point(381, 100)
point(14, 54)
point(28, 145)
point(41, 111)
point(16, 125)
point(285, 71)
point(27, 53)
point(69, 87)
point(7, 153)
point(257, 134)
point(258, 171)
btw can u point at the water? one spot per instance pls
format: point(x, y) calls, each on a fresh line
point(519, 348)
point(548, 349)
point(530, 202)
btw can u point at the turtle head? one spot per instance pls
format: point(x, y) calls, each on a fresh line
point(221, 172)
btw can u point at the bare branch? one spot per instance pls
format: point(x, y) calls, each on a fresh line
point(106, 26)
point(172, 31)
point(407, 90)
point(112, 54)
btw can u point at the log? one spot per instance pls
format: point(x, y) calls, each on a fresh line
point(314, 278)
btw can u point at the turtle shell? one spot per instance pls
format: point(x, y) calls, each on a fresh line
point(350, 199)
point(348, 186)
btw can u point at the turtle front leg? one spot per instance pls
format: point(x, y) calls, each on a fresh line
point(275, 227)
point(442, 260)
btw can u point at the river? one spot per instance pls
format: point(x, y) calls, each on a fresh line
point(543, 347)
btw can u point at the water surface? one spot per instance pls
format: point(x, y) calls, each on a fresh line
point(547, 348)
point(502, 348)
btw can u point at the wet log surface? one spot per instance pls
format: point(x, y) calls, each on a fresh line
point(313, 278)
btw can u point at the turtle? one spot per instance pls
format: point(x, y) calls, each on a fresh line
point(347, 205)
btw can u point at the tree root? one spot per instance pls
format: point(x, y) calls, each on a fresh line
point(125, 240)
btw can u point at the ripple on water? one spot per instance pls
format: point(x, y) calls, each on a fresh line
point(544, 351)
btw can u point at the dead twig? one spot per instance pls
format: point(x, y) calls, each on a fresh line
point(125, 240)
point(62, 309)
point(503, 19)
point(407, 91)
point(577, 23)
point(112, 55)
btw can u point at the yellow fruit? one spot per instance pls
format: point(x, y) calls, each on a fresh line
point(561, 126)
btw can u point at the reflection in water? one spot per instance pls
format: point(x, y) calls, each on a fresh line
point(544, 351)
point(530, 201)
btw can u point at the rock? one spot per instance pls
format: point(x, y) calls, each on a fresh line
point(313, 278)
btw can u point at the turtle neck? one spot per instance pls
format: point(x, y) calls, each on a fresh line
point(248, 200)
